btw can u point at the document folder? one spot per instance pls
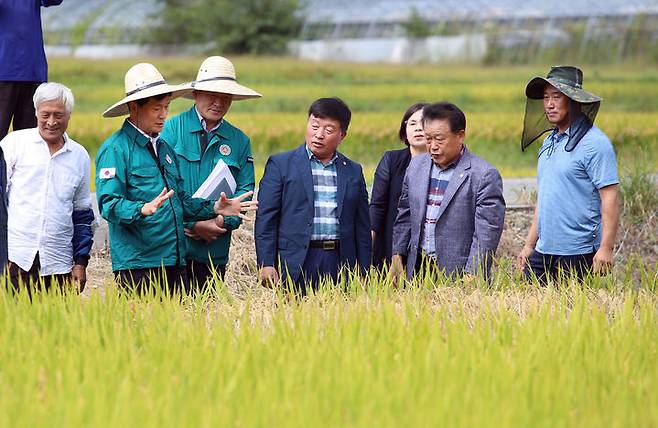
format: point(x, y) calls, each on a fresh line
point(220, 180)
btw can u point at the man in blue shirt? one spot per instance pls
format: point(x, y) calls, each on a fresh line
point(577, 212)
point(23, 63)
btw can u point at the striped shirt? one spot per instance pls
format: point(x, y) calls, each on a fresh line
point(439, 180)
point(325, 198)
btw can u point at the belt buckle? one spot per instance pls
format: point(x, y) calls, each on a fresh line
point(328, 245)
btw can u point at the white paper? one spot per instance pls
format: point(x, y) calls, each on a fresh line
point(220, 180)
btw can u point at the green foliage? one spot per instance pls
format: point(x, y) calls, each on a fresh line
point(416, 27)
point(431, 354)
point(252, 26)
point(639, 194)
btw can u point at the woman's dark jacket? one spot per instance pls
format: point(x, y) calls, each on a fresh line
point(386, 190)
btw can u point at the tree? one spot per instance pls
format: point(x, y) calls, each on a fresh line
point(248, 26)
point(416, 27)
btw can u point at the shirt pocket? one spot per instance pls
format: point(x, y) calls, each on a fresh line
point(65, 185)
point(145, 183)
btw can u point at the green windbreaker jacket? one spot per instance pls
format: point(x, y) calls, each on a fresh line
point(183, 133)
point(128, 176)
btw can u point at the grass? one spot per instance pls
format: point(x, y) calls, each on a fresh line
point(492, 98)
point(431, 354)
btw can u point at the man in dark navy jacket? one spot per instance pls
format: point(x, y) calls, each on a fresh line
point(313, 206)
point(23, 63)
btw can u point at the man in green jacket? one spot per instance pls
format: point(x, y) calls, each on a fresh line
point(201, 137)
point(140, 191)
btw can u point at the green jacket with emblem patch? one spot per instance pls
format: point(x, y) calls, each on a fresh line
point(128, 176)
point(226, 142)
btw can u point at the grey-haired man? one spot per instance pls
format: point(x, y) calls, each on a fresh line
point(52, 237)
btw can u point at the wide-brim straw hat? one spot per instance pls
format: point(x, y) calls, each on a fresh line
point(569, 81)
point(143, 80)
point(217, 74)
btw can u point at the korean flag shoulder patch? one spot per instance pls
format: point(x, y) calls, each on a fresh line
point(107, 173)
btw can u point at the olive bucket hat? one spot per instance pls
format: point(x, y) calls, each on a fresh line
point(569, 81)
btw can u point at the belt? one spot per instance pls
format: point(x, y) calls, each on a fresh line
point(325, 245)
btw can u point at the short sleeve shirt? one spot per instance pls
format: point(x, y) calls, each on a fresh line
point(569, 205)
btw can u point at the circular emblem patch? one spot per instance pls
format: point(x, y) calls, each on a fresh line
point(225, 150)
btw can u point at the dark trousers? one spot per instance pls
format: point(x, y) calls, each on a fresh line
point(16, 103)
point(319, 264)
point(426, 265)
point(171, 279)
point(30, 278)
point(545, 266)
point(201, 274)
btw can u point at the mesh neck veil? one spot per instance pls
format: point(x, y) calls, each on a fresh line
point(535, 123)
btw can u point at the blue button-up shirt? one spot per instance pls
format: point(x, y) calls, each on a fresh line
point(325, 198)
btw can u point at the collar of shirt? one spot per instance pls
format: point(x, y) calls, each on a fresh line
point(556, 135)
point(203, 122)
point(65, 148)
point(152, 140)
point(312, 157)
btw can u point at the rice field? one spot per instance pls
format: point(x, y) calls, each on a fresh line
point(492, 98)
point(364, 353)
point(432, 354)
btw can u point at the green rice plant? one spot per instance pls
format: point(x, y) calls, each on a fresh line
point(364, 354)
point(639, 194)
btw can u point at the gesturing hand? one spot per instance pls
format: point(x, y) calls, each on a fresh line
point(235, 206)
point(150, 208)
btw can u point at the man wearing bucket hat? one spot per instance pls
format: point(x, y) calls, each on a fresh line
point(201, 137)
point(577, 212)
point(140, 191)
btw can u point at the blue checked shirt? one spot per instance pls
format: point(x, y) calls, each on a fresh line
point(325, 198)
point(439, 180)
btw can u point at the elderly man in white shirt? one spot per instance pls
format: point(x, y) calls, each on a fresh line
point(49, 200)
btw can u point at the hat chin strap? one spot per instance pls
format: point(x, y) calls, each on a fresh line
point(150, 85)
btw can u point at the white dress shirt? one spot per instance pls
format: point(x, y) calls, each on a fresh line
point(43, 191)
point(152, 139)
point(203, 122)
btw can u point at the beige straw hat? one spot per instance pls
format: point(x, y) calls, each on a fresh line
point(217, 74)
point(143, 80)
